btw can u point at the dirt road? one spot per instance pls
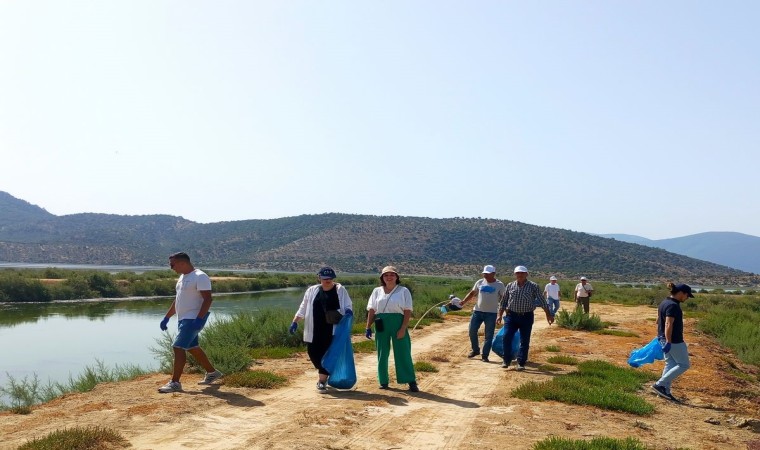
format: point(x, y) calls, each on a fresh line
point(466, 405)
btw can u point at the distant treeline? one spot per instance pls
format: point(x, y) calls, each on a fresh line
point(42, 285)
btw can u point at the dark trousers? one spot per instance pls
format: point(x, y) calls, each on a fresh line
point(514, 322)
point(316, 351)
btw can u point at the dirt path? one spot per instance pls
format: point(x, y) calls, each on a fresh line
point(466, 405)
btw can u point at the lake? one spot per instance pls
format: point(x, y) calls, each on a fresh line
point(57, 340)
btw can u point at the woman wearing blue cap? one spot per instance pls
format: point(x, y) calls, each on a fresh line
point(670, 334)
point(318, 310)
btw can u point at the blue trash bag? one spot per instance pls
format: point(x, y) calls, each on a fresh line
point(444, 310)
point(646, 354)
point(339, 358)
point(498, 342)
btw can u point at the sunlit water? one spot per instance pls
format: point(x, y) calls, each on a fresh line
point(57, 340)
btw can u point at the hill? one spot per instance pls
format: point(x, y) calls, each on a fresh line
point(351, 243)
point(737, 250)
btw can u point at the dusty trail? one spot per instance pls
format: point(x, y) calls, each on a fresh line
point(466, 405)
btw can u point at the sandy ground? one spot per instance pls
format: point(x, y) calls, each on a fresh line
point(466, 405)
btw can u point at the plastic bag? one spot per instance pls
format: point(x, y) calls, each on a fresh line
point(339, 358)
point(646, 354)
point(498, 342)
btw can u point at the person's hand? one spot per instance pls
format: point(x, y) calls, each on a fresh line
point(349, 312)
point(164, 324)
point(498, 320)
point(293, 328)
point(666, 347)
point(368, 333)
point(401, 333)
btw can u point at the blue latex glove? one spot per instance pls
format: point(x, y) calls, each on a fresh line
point(164, 324)
point(293, 328)
point(666, 347)
point(368, 333)
point(349, 312)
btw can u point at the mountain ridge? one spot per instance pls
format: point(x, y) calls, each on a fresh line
point(349, 242)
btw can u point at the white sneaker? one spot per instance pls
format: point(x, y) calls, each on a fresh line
point(172, 386)
point(321, 387)
point(211, 377)
point(520, 368)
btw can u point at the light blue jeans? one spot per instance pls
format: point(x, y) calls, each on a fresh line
point(478, 318)
point(553, 304)
point(676, 363)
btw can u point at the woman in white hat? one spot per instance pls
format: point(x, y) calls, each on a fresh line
point(390, 309)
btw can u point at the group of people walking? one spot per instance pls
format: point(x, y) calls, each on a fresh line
point(389, 311)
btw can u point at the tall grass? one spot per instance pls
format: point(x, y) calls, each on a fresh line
point(595, 383)
point(78, 438)
point(28, 391)
point(579, 320)
point(597, 443)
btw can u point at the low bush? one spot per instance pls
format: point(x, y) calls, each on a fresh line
point(259, 379)
point(579, 320)
point(597, 443)
point(79, 438)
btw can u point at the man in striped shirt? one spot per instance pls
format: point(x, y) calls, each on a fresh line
point(518, 303)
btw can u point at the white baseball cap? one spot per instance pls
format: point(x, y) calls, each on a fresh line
point(521, 269)
point(451, 296)
point(552, 278)
point(489, 269)
point(583, 278)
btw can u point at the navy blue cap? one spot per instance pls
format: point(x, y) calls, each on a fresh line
point(326, 273)
point(683, 288)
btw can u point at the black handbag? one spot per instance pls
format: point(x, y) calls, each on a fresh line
point(332, 316)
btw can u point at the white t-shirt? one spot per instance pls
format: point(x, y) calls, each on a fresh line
point(189, 300)
point(399, 300)
point(456, 301)
point(489, 295)
point(582, 291)
point(552, 290)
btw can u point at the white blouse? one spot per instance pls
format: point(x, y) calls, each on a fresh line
point(398, 301)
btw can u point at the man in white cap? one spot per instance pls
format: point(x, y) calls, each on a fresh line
point(519, 303)
point(489, 291)
point(454, 304)
point(583, 292)
point(551, 292)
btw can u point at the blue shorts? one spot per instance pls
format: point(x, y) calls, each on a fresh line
point(187, 337)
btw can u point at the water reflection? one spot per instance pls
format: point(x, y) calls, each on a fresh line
point(57, 340)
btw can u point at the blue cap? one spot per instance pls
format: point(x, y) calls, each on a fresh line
point(683, 288)
point(326, 273)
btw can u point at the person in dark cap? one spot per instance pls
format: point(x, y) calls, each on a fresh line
point(670, 335)
point(317, 307)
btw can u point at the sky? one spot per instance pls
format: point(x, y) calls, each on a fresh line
point(606, 116)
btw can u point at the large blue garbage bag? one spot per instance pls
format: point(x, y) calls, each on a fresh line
point(339, 359)
point(646, 354)
point(498, 342)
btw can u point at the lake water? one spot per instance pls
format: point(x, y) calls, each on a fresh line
point(57, 340)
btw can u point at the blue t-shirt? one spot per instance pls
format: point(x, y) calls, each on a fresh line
point(670, 308)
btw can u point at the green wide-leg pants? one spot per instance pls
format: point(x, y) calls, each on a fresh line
point(402, 350)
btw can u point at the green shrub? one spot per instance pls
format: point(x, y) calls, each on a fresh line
point(367, 346)
point(596, 383)
point(597, 443)
point(563, 359)
point(87, 438)
point(424, 366)
point(552, 348)
point(621, 333)
point(578, 320)
point(259, 379)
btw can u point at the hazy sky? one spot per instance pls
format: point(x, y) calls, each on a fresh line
point(598, 116)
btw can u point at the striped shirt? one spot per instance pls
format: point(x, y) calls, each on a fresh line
point(520, 299)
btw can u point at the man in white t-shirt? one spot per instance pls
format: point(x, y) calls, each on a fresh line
point(191, 305)
point(551, 292)
point(583, 292)
point(489, 291)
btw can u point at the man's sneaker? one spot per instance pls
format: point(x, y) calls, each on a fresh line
point(473, 354)
point(485, 359)
point(321, 387)
point(520, 367)
point(413, 387)
point(172, 386)
point(504, 365)
point(662, 392)
point(211, 377)
point(384, 386)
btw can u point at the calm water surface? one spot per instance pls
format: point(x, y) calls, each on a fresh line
point(57, 340)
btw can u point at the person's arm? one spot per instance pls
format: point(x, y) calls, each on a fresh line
point(172, 309)
point(206, 305)
point(468, 296)
point(345, 300)
point(669, 320)
point(503, 306)
point(301, 313)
